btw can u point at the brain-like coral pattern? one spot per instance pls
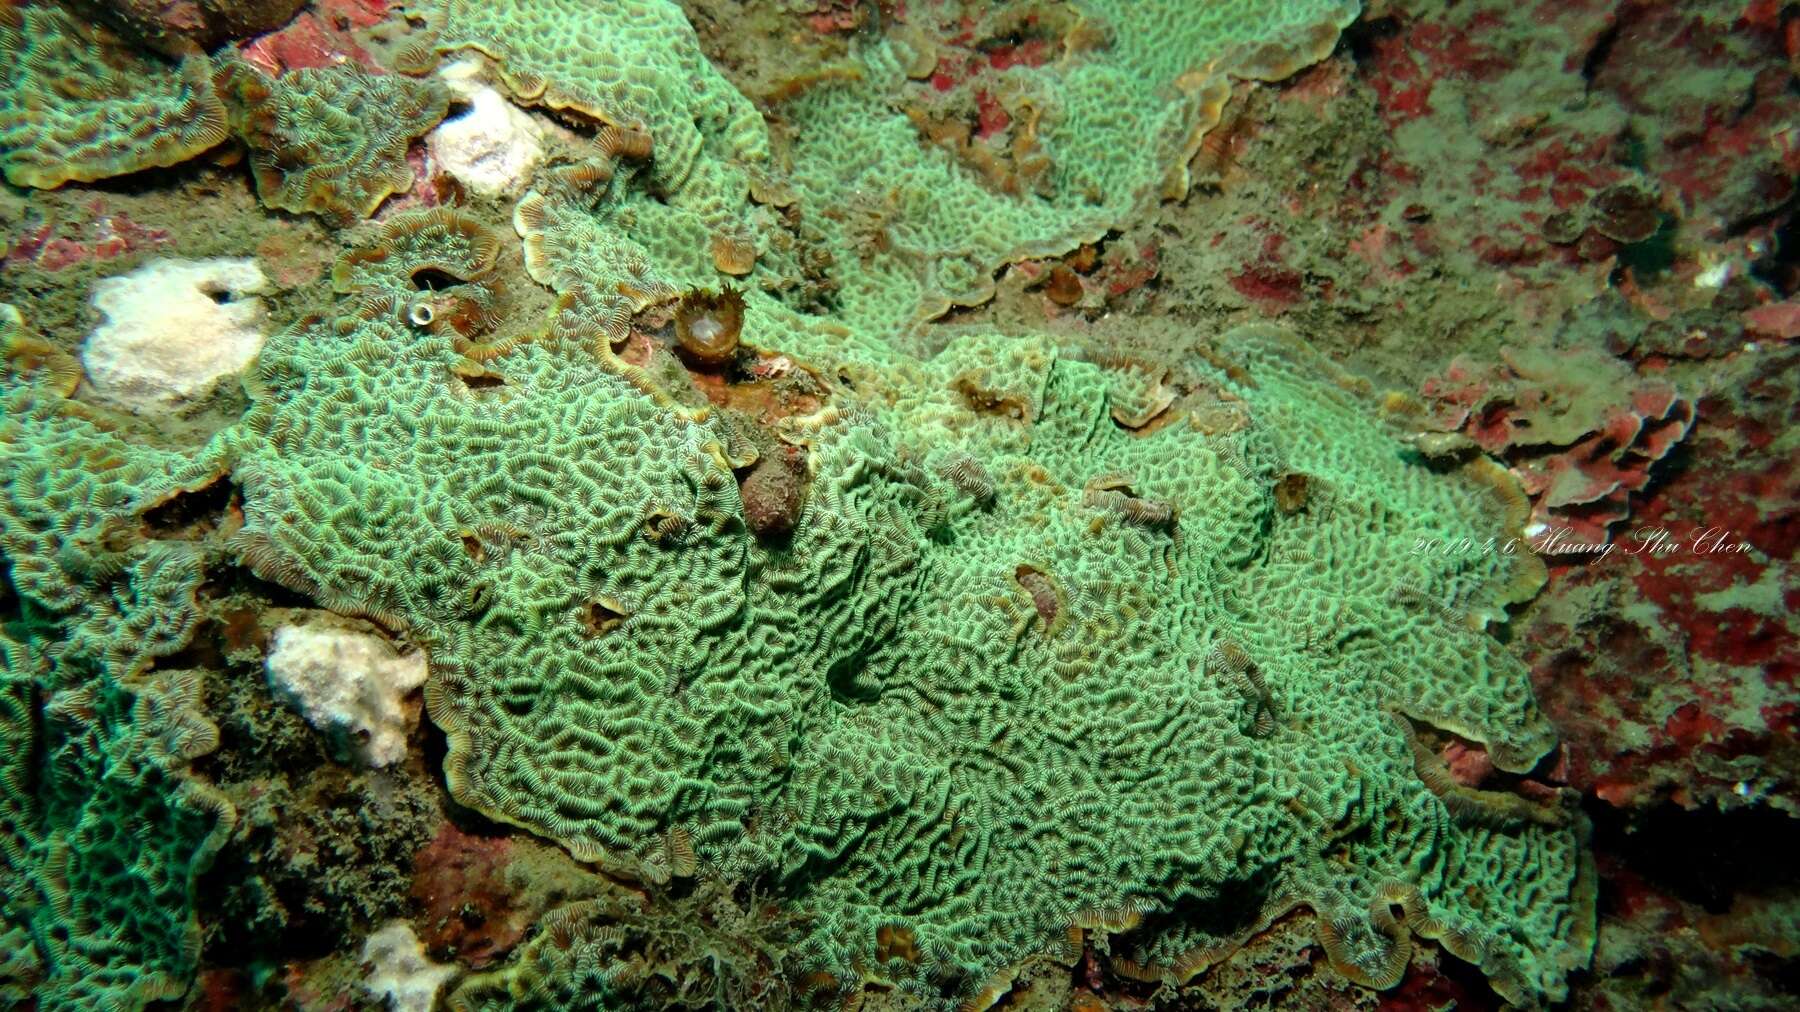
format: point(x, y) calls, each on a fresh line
point(330, 140)
point(420, 250)
point(105, 834)
point(1109, 126)
point(1048, 646)
point(634, 64)
point(76, 105)
point(1160, 80)
point(1121, 686)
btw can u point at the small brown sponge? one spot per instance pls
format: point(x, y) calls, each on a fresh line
point(774, 494)
point(77, 105)
point(330, 140)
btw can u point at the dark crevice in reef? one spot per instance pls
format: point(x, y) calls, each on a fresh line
point(1361, 38)
point(12, 606)
point(431, 279)
point(1771, 183)
point(435, 747)
point(224, 581)
point(1779, 268)
point(1701, 856)
point(1234, 911)
point(849, 683)
point(1598, 53)
point(191, 516)
point(198, 172)
point(1782, 972)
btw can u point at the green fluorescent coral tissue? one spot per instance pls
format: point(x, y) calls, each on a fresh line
point(76, 104)
point(1027, 662)
point(105, 832)
point(330, 140)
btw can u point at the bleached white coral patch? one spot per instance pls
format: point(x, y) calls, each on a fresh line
point(174, 329)
point(350, 685)
point(400, 976)
point(490, 149)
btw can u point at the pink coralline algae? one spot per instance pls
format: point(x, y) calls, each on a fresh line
point(1777, 320)
point(55, 246)
point(1581, 430)
point(1683, 688)
point(312, 40)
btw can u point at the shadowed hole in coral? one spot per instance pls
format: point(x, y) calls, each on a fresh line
point(1229, 914)
point(599, 618)
point(1781, 971)
point(1650, 258)
point(1599, 51)
point(12, 606)
point(191, 516)
point(431, 279)
point(849, 683)
point(517, 704)
point(196, 177)
point(1779, 268)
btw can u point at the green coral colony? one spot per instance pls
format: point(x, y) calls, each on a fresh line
point(1058, 642)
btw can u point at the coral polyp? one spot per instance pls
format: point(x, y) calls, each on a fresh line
point(707, 325)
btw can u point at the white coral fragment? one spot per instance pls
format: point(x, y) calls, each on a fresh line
point(399, 974)
point(490, 149)
point(173, 330)
point(350, 685)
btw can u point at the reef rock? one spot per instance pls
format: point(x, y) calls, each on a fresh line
point(190, 27)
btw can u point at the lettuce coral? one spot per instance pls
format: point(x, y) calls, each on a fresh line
point(106, 840)
point(634, 64)
point(330, 140)
point(979, 712)
point(1008, 641)
point(76, 105)
point(1108, 127)
point(883, 718)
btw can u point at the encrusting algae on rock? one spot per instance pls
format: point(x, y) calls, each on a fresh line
point(957, 647)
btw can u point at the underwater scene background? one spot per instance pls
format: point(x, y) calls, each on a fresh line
point(899, 504)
